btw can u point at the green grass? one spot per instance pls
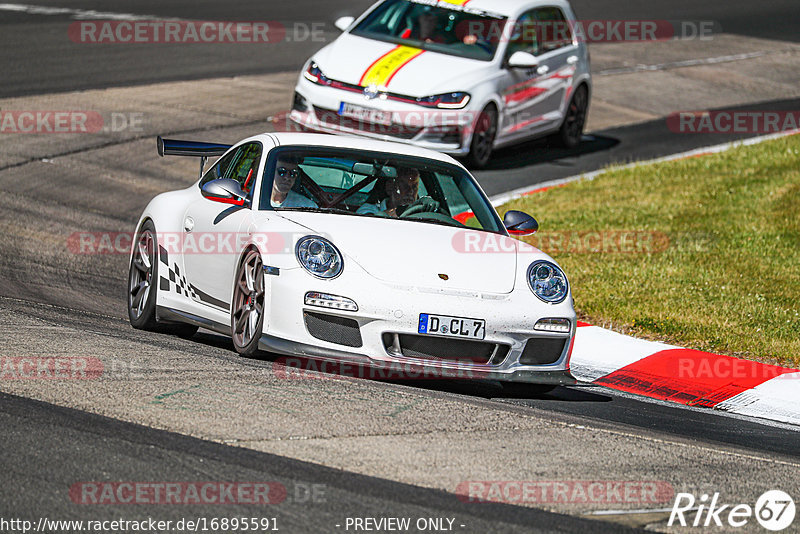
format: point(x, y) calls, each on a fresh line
point(722, 273)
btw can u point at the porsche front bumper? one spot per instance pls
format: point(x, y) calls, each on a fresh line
point(388, 313)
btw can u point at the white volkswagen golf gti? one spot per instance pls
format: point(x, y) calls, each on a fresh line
point(354, 251)
point(463, 77)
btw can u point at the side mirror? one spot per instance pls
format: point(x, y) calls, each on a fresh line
point(226, 191)
point(343, 23)
point(523, 60)
point(518, 223)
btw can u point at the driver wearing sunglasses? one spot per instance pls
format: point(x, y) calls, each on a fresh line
point(287, 171)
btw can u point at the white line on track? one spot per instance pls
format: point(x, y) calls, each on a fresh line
point(634, 512)
point(78, 14)
point(684, 63)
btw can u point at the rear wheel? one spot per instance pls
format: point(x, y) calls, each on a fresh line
point(572, 129)
point(143, 286)
point(247, 310)
point(483, 138)
point(142, 279)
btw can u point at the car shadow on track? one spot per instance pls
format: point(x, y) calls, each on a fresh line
point(490, 389)
point(299, 368)
point(546, 150)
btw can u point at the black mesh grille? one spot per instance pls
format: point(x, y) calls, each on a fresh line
point(542, 350)
point(299, 103)
point(330, 116)
point(444, 349)
point(333, 329)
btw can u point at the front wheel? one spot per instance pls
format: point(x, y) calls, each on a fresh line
point(247, 310)
point(575, 119)
point(480, 150)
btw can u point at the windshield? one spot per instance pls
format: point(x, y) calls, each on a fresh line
point(365, 184)
point(453, 30)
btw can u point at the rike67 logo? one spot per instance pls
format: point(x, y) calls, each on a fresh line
point(774, 511)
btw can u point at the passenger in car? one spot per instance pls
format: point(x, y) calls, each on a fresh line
point(429, 28)
point(399, 193)
point(287, 171)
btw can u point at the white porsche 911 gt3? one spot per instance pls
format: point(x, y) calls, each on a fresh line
point(459, 76)
point(350, 250)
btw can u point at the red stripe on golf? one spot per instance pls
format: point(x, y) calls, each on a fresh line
point(691, 377)
point(361, 81)
point(581, 323)
point(401, 67)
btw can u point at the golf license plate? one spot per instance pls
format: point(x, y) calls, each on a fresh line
point(365, 114)
point(444, 325)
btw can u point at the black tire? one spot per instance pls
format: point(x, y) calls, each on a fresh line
point(247, 307)
point(480, 149)
point(143, 280)
point(571, 131)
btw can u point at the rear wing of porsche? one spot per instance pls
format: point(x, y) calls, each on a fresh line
point(175, 147)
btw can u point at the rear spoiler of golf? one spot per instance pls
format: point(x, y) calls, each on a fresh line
point(174, 147)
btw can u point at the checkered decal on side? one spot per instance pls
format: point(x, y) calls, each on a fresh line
point(171, 279)
point(174, 281)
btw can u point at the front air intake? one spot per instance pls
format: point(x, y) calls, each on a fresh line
point(333, 329)
point(543, 350)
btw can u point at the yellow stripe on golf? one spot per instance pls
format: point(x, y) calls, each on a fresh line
point(380, 72)
point(455, 2)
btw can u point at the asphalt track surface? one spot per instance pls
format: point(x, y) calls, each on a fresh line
point(37, 58)
point(46, 448)
point(92, 447)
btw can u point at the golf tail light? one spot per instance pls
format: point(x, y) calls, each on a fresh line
point(562, 326)
point(323, 300)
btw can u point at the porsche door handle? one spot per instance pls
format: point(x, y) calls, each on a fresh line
point(544, 69)
point(571, 60)
point(188, 224)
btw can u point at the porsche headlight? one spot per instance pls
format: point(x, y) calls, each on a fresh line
point(319, 257)
point(548, 282)
point(456, 100)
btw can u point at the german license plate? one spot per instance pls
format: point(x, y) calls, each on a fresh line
point(365, 114)
point(445, 325)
